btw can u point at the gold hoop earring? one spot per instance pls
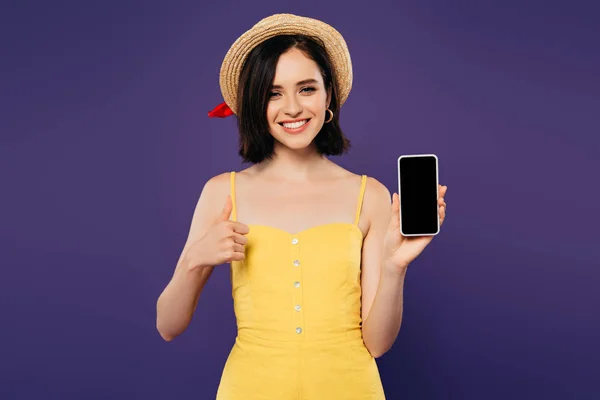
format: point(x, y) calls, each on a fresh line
point(330, 118)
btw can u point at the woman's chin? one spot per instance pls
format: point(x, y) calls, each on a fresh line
point(298, 142)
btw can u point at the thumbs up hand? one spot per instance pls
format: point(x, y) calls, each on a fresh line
point(223, 242)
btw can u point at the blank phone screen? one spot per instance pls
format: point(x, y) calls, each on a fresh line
point(418, 195)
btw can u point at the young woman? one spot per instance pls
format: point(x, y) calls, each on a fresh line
point(316, 257)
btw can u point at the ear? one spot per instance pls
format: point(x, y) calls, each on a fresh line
point(328, 97)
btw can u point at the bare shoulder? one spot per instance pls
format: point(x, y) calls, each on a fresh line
point(214, 193)
point(377, 201)
point(218, 183)
point(377, 198)
point(210, 203)
point(376, 192)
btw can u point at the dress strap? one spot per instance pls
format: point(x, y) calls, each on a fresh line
point(361, 195)
point(232, 194)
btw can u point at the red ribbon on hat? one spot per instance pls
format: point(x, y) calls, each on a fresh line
point(220, 111)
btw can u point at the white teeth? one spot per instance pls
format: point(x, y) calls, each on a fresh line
point(294, 125)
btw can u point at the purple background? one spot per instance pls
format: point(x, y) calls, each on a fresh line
point(105, 146)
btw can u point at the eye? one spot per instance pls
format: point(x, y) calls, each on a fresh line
point(273, 94)
point(309, 89)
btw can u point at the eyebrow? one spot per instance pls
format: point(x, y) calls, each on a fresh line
point(304, 82)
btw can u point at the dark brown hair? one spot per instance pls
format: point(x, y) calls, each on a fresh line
point(257, 75)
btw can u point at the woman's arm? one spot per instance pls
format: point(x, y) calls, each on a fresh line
point(386, 256)
point(177, 303)
point(382, 286)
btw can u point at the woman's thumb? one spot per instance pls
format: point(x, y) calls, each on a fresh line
point(226, 212)
point(395, 218)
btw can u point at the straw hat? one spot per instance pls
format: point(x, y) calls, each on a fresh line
point(284, 24)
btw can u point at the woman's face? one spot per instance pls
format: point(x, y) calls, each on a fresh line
point(297, 101)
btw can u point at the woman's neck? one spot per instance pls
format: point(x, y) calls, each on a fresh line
point(293, 164)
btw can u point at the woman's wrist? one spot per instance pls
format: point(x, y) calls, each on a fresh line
point(393, 270)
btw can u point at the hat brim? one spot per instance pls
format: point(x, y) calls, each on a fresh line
point(286, 24)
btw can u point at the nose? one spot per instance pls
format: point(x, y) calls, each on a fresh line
point(292, 106)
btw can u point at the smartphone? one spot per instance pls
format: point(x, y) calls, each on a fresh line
point(418, 180)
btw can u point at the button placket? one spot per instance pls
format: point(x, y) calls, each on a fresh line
point(296, 265)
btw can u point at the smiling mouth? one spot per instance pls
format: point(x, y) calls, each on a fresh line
point(294, 125)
